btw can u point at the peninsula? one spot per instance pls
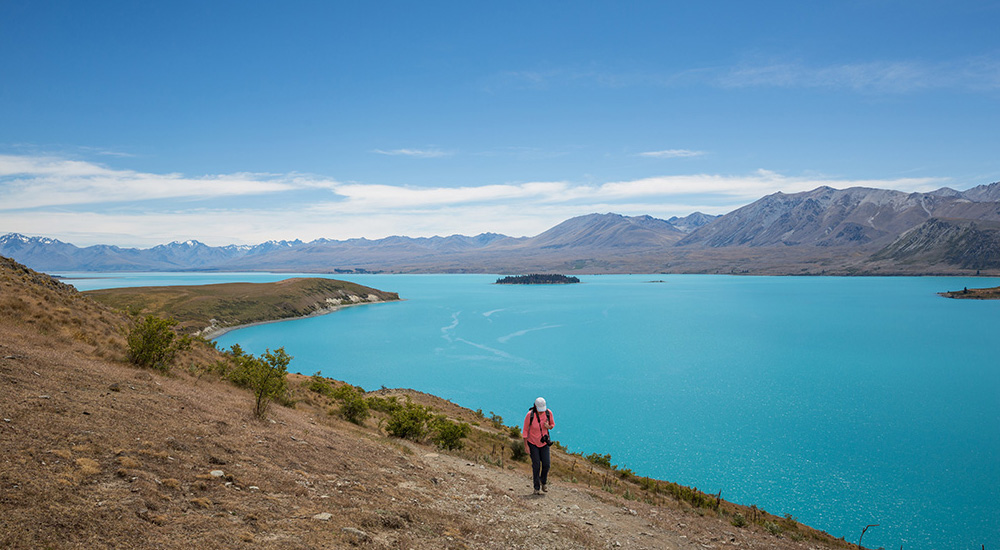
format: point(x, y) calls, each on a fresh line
point(974, 294)
point(211, 310)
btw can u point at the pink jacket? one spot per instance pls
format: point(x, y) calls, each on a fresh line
point(533, 430)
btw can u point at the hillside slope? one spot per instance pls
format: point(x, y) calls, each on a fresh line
point(969, 244)
point(98, 454)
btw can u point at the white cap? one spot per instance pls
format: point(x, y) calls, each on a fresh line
point(540, 404)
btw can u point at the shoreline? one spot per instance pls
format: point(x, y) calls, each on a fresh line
point(211, 333)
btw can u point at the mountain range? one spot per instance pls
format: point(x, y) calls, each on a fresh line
point(823, 231)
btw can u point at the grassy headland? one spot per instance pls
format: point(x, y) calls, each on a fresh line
point(974, 294)
point(209, 310)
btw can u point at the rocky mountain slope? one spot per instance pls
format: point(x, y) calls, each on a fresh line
point(970, 244)
point(831, 217)
point(99, 454)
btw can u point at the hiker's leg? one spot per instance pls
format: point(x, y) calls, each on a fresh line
point(536, 465)
point(545, 459)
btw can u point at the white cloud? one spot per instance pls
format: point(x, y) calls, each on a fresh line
point(672, 154)
point(32, 182)
point(85, 203)
point(416, 153)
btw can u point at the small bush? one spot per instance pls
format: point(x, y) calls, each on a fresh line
point(346, 392)
point(265, 376)
point(738, 520)
point(448, 434)
point(409, 421)
point(515, 432)
point(517, 451)
point(321, 385)
point(268, 379)
point(386, 405)
point(599, 460)
point(354, 409)
point(153, 344)
point(626, 474)
point(496, 420)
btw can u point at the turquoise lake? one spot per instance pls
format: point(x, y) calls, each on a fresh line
point(840, 401)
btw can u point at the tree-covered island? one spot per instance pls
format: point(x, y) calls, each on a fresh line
point(537, 279)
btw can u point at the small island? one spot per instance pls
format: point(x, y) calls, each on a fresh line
point(537, 279)
point(974, 293)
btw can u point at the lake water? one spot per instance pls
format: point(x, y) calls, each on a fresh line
point(841, 401)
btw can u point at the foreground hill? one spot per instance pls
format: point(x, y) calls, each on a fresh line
point(209, 310)
point(99, 454)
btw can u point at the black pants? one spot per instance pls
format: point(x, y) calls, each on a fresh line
point(540, 462)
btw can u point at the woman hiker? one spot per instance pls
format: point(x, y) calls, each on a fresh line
point(537, 424)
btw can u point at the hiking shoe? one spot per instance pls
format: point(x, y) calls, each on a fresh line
point(537, 492)
point(545, 487)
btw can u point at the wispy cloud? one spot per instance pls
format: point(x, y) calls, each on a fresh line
point(974, 74)
point(107, 152)
point(970, 74)
point(86, 203)
point(672, 154)
point(31, 182)
point(416, 153)
point(895, 77)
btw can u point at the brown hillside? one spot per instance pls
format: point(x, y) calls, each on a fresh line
point(95, 453)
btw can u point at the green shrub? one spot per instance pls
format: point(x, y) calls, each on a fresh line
point(517, 451)
point(354, 409)
point(268, 379)
point(600, 460)
point(386, 405)
point(515, 432)
point(496, 420)
point(408, 421)
point(772, 527)
point(649, 484)
point(447, 434)
point(738, 520)
point(346, 392)
point(153, 344)
point(265, 376)
point(321, 385)
point(238, 367)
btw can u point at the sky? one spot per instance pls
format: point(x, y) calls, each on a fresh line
point(142, 123)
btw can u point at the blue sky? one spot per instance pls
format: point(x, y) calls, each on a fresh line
point(139, 123)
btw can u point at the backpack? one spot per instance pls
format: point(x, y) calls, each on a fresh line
point(548, 414)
